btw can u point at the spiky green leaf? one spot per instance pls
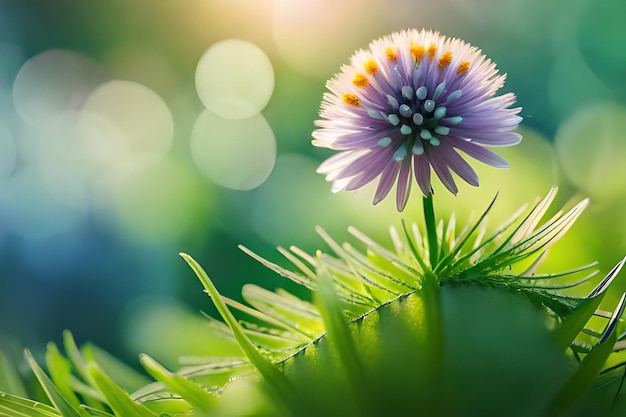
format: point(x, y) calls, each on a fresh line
point(197, 397)
point(120, 402)
point(63, 406)
point(14, 406)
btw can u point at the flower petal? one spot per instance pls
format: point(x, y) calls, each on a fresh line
point(481, 154)
point(404, 184)
point(421, 167)
point(387, 179)
point(442, 171)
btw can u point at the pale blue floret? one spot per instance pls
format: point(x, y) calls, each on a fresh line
point(421, 93)
point(384, 142)
point(400, 154)
point(453, 120)
point(429, 105)
point(442, 130)
point(375, 114)
point(439, 90)
point(393, 119)
point(418, 148)
point(418, 119)
point(405, 111)
point(392, 101)
point(406, 130)
point(440, 112)
point(407, 92)
point(425, 134)
point(453, 96)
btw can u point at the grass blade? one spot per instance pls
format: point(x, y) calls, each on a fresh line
point(573, 323)
point(62, 405)
point(11, 405)
point(120, 402)
point(271, 374)
point(10, 380)
point(60, 370)
point(191, 392)
point(589, 369)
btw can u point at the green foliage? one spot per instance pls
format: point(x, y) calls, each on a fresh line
point(11, 405)
point(474, 330)
point(10, 380)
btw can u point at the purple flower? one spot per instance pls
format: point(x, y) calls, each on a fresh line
point(408, 103)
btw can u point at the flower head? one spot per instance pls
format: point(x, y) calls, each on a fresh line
point(408, 103)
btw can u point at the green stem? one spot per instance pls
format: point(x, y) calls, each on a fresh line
point(431, 297)
point(431, 231)
point(434, 343)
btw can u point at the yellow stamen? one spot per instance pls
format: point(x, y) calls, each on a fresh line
point(417, 51)
point(392, 53)
point(360, 80)
point(465, 65)
point(432, 50)
point(371, 67)
point(350, 99)
point(445, 59)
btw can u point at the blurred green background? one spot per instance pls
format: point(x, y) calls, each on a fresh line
point(133, 130)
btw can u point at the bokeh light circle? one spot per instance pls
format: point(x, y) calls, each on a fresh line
point(591, 146)
point(234, 79)
point(237, 154)
point(122, 118)
point(53, 81)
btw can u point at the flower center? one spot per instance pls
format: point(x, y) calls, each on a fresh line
point(420, 117)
